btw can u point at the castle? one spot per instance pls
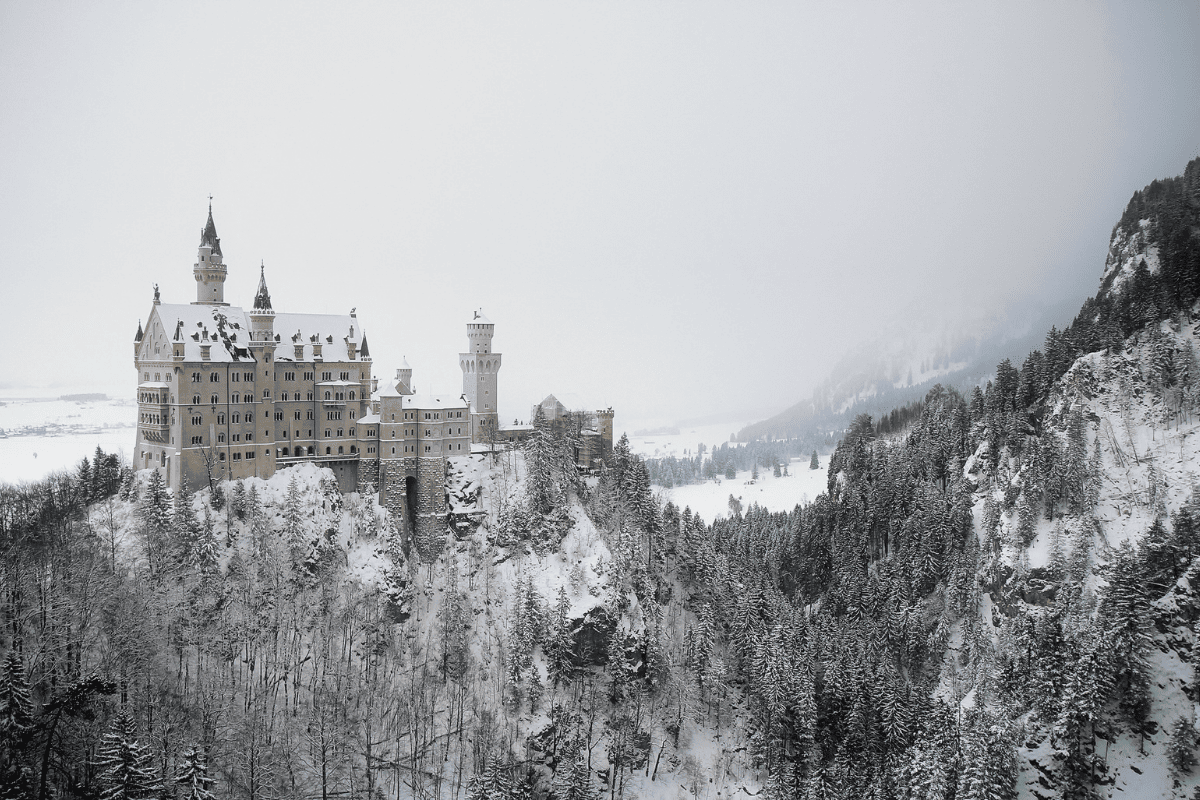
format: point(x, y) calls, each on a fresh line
point(226, 393)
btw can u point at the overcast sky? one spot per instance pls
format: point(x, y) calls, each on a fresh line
point(673, 208)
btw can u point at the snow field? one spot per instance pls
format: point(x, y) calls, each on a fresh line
point(710, 499)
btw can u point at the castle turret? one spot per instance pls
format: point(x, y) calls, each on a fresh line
point(262, 316)
point(404, 378)
point(209, 268)
point(480, 367)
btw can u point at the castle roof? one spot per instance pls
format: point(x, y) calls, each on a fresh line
point(262, 298)
point(480, 319)
point(433, 402)
point(227, 330)
point(208, 236)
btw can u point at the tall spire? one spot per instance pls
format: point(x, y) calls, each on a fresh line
point(262, 299)
point(208, 236)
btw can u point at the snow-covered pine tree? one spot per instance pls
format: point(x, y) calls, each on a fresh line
point(193, 776)
point(815, 463)
point(125, 765)
point(155, 513)
point(576, 783)
point(16, 728)
point(293, 513)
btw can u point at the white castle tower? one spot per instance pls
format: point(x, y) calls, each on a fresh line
point(480, 367)
point(209, 268)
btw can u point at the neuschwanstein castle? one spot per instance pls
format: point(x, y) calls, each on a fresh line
point(225, 392)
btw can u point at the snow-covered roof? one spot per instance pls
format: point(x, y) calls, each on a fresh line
point(515, 428)
point(227, 330)
point(433, 401)
point(369, 419)
point(480, 319)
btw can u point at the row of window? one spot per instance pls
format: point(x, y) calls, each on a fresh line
point(215, 377)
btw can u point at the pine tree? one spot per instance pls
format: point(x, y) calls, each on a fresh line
point(155, 512)
point(576, 783)
point(815, 463)
point(293, 513)
point(193, 776)
point(1181, 749)
point(559, 643)
point(16, 728)
point(124, 764)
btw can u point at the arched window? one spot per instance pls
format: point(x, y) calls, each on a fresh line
point(214, 400)
point(352, 395)
point(327, 451)
point(311, 450)
point(284, 397)
point(353, 449)
point(285, 452)
point(327, 395)
point(195, 399)
point(341, 450)
point(235, 397)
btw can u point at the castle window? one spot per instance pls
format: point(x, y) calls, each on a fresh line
point(220, 437)
point(341, 450)
point(268, 358)
point(393, 451)
point(249, 376)
point(289, 376)
point(237, 456)
point(220, 419)
point(327, 433)
point(237, 437)
point(197, 420)
point(352, 431)
point(328, 451)
point(235, 397)
point(214, 377)
point(297, 415)
point(233, 377)
point(168, 377)
point(340, 434)
point(215, 400)
point(326, 376)
point(197, 439)
point(284, 397)
point(393, 434)
point(284, 452)
point(195, 377)
point(285, 434)
point(352, 395)
point(327, 396)
point(156, 377)
point(250, 436)
point(312, 450)
point(221, 456)
point(266, 394)
point(308, 376)
point(146, 376)
point(428, 448)
point(236, 419)
point(308, 415)
point(279, 416)
point(249, 454)
point(345, 376)
point(195, 399)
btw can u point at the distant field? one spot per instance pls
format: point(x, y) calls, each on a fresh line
point(73, 429)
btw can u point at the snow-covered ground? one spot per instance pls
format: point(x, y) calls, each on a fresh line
point(711, 499)
point(686, 442)
point(45, 435)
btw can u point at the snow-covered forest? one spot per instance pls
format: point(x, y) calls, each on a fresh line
point(995, 598)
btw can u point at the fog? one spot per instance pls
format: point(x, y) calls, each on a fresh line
point(680, 210)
